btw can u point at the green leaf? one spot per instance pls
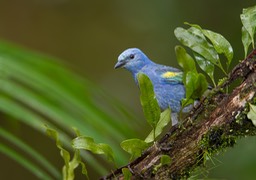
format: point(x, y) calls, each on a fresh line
point(220, 44)
point(148, 100)
point(67, 170)
point(134, 147)
point(184, 60)
point(207, 66)
point(246, 41)
point(127, 174)
point(248, 20)
point(186, 101)
point(73, 164)
point(252, 114)
point(84, 170)
point(201, 86)
point(87, 143)
point(222, 80)
point(165, 160)
point(165, 118)
point(205, 54)
point(191, 82)
point(194, 39)
point(196, 84)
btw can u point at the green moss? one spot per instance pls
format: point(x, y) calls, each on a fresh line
point(222, 81)
point(254, 99)
point(220, 138)
point(216, 140)
point(182, 175)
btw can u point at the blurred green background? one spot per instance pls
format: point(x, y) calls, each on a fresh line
point(89, 35)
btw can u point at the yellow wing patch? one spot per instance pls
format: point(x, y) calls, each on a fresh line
point(170, 74)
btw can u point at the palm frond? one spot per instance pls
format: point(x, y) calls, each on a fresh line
point(38, 90)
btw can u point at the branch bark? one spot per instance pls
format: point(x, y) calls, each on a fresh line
point(213, 125)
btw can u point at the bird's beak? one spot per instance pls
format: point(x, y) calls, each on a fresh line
point(119, 64)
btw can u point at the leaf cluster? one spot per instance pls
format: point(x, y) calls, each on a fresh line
point(206, 47)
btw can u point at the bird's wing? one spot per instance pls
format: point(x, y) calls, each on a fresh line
point(169, 74)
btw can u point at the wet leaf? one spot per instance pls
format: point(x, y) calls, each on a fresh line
point(163, 122)
point(67, 172)
point(68, 169)
point(185, 60)
point(220, 44)
point(205, 54)
point(134, 147)
point(148, 100)
point(87, 143)
point(127, 174)
point(246, 41)
point(248, 20)
point(196, 84)
point(165, 160)
point(194, 39)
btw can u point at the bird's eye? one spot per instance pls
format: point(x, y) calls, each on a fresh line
point(132, 56)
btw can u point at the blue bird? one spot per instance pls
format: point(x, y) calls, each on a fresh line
point(167, 81)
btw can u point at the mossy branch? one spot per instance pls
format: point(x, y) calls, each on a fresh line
point(212, 126)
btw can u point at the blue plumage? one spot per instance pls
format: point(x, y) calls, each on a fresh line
point(167, 81)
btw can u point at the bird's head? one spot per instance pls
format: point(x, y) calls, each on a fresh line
point(132, 59)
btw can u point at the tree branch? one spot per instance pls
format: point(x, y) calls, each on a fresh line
point(210, 127)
